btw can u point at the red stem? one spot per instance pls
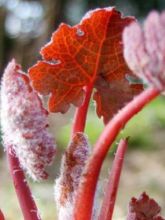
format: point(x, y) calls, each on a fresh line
point(86, 192)
point(113, 182)
point(26, 201)
point(81, 112)
point(2, 215)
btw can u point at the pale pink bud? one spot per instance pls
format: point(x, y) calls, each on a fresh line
point(144, 49)
point(72, 166)
point(24, 123)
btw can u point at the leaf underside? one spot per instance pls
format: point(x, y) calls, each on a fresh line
point(89, 52)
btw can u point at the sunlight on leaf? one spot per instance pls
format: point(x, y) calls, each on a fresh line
point(89, 52)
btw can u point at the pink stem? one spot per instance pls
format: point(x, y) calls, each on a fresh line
point(26, 201)
point(86, 192)
point(2, 215)
point(112, 186)
point(81, 112)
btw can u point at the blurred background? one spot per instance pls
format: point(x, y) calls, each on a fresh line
point(25, 26)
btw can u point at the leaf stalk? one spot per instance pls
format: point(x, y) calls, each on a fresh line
point(113, 182)
point(79, 120)
point(85, 196)
point(26, 201)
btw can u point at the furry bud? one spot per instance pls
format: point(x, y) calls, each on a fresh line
point(144, 49)
point(24, 123)
point(71, 170)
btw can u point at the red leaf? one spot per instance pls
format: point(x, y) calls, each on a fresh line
point(111, 97)
point(79, 55)
point(144, 208)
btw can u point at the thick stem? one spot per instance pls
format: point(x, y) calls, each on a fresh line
point(86, 192)
point(2, 215)
point(81, 112)
point(26, 201)
point(113, 182)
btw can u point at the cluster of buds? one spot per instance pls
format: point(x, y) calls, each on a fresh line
point(144, 49)
point(24, 123)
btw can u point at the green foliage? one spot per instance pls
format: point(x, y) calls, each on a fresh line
point(142, 129)
point(94, 127)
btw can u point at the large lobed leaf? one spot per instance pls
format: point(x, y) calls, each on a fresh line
point(89, 52)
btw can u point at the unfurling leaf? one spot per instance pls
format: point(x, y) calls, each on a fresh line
point(24, 123)
point(89, 52)
point(144, 208)
point(144, 49)
point(72, 167)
